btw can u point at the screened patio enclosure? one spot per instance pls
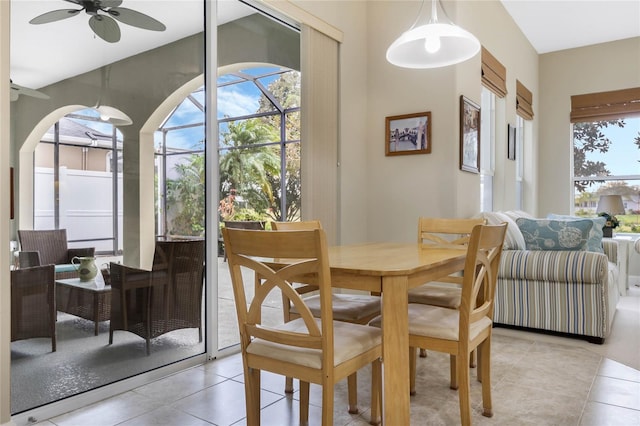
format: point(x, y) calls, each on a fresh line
point(259, 152)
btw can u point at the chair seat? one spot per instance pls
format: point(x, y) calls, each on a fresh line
point(349, 341)
point(437, 294)
point(438, 322)
point(346, 307)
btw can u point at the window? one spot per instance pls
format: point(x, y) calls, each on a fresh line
point(259, 144)
point(524, 112)
point(487, 148)
point(606, 161)
point(606, 153)
point(519, 163)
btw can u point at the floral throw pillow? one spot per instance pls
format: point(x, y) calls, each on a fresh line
point(549, 234)
point(595, 236)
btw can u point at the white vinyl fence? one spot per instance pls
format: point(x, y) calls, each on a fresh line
point(86, 206)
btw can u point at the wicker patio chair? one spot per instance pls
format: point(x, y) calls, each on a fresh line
point(33, 304)
point(52, 248)
point(167, 298)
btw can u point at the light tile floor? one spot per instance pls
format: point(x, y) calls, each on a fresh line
point(536, 380)
point(533, 382)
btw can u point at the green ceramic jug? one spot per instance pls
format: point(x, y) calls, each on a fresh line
point(86, 267)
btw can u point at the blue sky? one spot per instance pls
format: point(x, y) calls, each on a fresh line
point(623, 155)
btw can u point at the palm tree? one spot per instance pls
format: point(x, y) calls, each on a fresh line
point(185, 196)
point(249, 161)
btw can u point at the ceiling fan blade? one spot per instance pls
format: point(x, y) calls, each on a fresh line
point(105, 27)
point(136, 19)
point(110, 3)
point(54, 15)
point(17, 90)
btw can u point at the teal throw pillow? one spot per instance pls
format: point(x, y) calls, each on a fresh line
point(550, 234)
point(594, 243)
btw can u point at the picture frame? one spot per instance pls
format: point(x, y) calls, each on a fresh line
point(511, 142)
point(469, 135)
point(408, 134)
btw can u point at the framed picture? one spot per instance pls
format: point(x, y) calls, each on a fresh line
point(511, 142)
point(469, 136)
point(408, 134)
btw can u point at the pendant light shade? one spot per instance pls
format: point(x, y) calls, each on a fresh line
point(432, 44)
point(113, 116)
point(107, 113)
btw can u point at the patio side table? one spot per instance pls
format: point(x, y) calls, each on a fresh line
point(84, 299)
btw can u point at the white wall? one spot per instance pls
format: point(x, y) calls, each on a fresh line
point(381, 197)
point(599, 68)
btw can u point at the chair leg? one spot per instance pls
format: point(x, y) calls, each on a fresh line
point(412, 370)
point(453, 371)
point(252, 395)
point(478, 363)
point(423, 353)
point(376, 392)
point(472, 360)
point(462, 361)
point(327, 403)
point(304, 402)
point(352, 385)
point(484, 355)
point(288, 385)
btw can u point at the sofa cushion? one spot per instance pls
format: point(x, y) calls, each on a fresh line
point(514, 239)
point(594, 243)
point(515, 214)
point(549, 234)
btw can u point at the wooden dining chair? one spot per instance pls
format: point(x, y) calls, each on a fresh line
point(314, 350)
point(354, 308)
point(447, 290)
point(460, 331)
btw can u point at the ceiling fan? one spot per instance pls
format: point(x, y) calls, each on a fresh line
point(102, 20)
point(17, 90)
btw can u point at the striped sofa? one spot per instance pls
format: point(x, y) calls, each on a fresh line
point(569, 292)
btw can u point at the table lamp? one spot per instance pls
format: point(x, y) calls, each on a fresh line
point(609, 206)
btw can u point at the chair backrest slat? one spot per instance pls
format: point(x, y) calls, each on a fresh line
point(446, 232)
point(480, 274)
point(303, 253)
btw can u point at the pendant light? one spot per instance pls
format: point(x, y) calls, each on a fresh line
point(107, 113)
point(432, 44)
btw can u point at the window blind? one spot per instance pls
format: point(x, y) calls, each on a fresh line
point(319, 128)
point(494, 74)
point(524, 101)
point(605, 105)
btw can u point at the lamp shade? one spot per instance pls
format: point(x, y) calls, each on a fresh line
point(611, 204)
point(432, 45)
point(113, 116)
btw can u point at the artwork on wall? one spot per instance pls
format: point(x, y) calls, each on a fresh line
point(469, 135)
point(511, 142)
point(408, 134)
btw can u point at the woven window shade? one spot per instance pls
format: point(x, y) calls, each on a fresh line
point(524, 101)
point(605, 105)
point(494, 74)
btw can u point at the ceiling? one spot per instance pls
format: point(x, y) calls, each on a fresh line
point(44, 54)
point(552, 25)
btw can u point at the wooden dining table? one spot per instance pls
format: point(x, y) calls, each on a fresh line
point(391, 269)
